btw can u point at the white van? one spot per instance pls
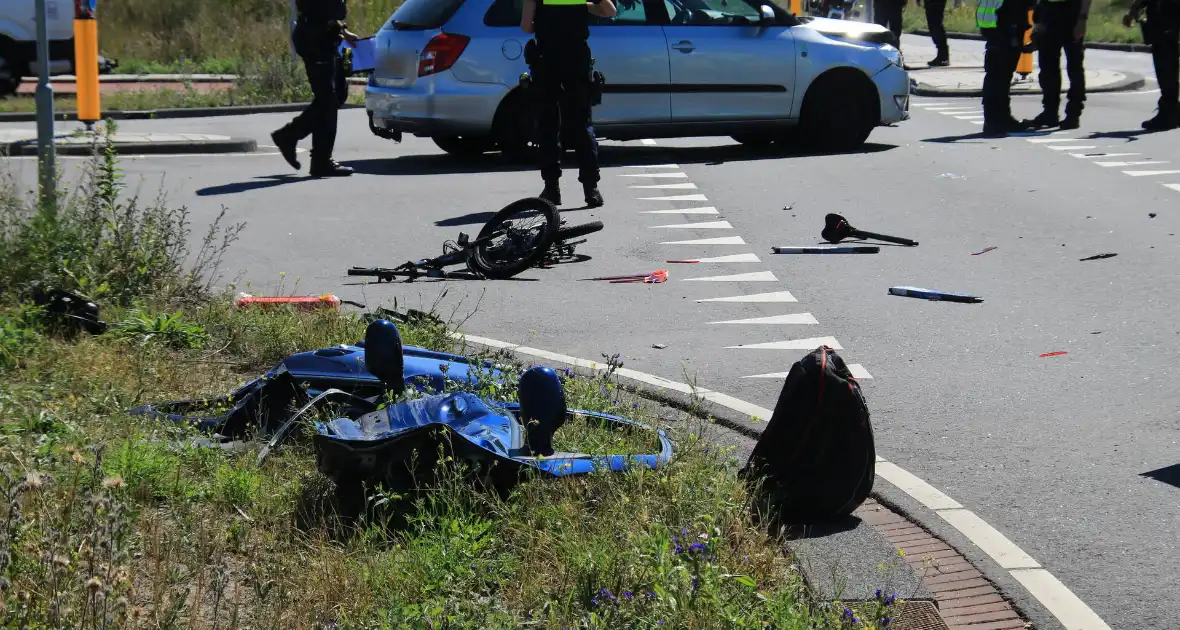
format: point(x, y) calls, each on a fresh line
point(18, 40)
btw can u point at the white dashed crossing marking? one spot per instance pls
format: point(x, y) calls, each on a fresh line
point(793, 318)
point(1175, 187)
point(688, 186)
point(1087, 156)
point(1073, 148)
point(676, 198)
point(704, 225)
point(723, 240)
point(664, 175)
point(706, 210)
point(649, 142)
point(1149, 173)
point(858, 372)
point(1139, 163)
point(754, 276)
point(652, 166)
point(732, 258)
point(792, 344)
point(757, 298)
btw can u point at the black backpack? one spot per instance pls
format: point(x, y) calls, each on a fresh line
point(816, 460)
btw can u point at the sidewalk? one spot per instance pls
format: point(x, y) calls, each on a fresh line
point(24, 142)
point(968, 81)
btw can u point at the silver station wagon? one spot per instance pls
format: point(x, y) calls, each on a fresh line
point(450, 70)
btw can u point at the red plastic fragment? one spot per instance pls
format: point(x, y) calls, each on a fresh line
point(1053, 354)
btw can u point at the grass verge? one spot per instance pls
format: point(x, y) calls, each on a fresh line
point(1104, 25)
point(112, 521)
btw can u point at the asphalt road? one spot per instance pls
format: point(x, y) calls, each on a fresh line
point(1052, 451)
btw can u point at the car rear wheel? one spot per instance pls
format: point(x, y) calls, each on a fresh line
point(11, 70)
point(463, 146)
point(839, 112)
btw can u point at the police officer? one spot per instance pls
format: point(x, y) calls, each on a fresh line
point(1061, 26)
point(1162, 31)
point(1002, 24)
point(935, 12)
point(888, 13)
point(562, 75)
point(319, 30)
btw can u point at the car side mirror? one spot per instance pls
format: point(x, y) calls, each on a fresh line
point(384, 355)
point(767, 14)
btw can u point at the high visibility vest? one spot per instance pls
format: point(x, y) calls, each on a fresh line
point(985, 14)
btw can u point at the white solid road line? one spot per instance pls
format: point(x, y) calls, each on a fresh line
point(676, 198)
point(1175, 187)
point(704, 225)
point(664, 175)
point(793, 318)
point(1139, 163)
point(688, 186)
point(757, 298)
point(1149, 173)
point(648, 141)
point(791, 344)
point(1071, 611)
point(724, 240)
point(706, 210)
point(750, 257)
point(753, 276)
point(970, 117)
point(651, 166)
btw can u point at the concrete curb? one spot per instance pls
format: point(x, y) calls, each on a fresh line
point(180, 112)
point(1095, 45)
point(231, 145)
point(1130, 83)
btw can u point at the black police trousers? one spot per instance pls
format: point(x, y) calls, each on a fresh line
point(563, 83)
point(1060, 19)
point(1001, 55)
point(935, 13)
point(1162, 31)
point(887, 13)
point(329, 91)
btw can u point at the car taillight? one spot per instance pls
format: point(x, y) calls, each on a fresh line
point(441, 53)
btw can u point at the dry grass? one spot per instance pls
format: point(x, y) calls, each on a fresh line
point(1105, 23)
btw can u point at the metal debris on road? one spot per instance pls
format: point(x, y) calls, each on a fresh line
point(983, 251)
point(1151, 214)
point(1053, 354)
point(953, 176)
point(686, 262)
point(659, 346)
point(1099, 256)
point(848, 249)
point(938, 296)
point(837, 228)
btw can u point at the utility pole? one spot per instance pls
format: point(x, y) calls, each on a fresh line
point(46, 155)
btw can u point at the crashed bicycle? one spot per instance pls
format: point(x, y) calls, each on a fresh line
point(524, 234)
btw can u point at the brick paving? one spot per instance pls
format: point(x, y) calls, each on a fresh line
point(966, 599)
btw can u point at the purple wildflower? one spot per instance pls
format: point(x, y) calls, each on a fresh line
point(627, 595)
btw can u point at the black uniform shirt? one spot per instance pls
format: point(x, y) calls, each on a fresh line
point(318, 30)
point(321, 10)
point(556, 23)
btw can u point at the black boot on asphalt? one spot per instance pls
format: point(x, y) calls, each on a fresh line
point(1162, 121)
point(552, 193)
point(1044, 120)
point(330, 169)
point(593, 197)
point(286, 146)
point(1003, 128)
point(941, 60)
point(1070, 122)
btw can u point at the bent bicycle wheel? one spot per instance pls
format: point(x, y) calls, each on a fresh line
point(516, 238)
point(574, 231)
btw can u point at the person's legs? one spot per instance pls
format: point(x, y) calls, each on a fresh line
point(1075, 51)
point(321, 75)
point(548, 104)
point(935, 12)
point(895, 12)
point(1000, 61)
point(1049, 58)
point(577, 84)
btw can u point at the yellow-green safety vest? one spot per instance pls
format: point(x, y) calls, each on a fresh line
point(985, 14)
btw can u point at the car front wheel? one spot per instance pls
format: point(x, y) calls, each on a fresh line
point(10, 71)
point(839, 112)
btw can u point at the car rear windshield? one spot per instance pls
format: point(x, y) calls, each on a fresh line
point(423, 14)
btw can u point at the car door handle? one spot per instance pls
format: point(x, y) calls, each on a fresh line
point(684, 46)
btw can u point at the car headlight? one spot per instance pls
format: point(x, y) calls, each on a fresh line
point(893, 55)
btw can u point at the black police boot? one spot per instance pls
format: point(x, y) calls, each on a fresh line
point(1071, 121)
point(1003, 127)
point(1044, 120)
point(1163, 121)
point(552, 193)
point(941, 60)
point(286, 145)
point(593, 197)
point(330, 168)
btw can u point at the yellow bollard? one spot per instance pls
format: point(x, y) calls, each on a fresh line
point(1025, 66)
point(797, 7)
point(86, 60)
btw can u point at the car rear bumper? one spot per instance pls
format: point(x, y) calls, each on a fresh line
point(893, 84)
point(435, 106)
